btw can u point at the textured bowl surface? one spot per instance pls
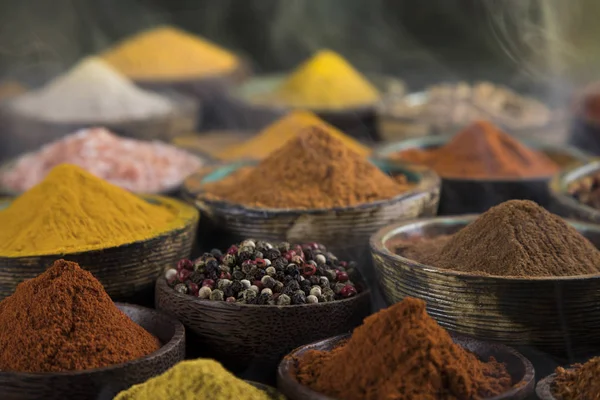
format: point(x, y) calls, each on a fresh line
point(104, 383)
point(520, 369)
point(558, 315)
point(468, 195)
point(128, 272)
point(240, 334)
point(565, 204)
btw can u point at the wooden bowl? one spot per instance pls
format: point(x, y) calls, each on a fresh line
point(344, 230)
point(557, 315)
point(269, 390)
point(23, 133)
point(565, 204)
point(103, 383)
point(127, 272)
point(475, 195)
point(242, 334)
point(520, 369)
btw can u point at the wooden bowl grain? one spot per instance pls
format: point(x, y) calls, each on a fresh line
point(556, 315)
point(103, 383)
point(566, 205)
point(520, 369)
point(127, 272)
point(240, 334)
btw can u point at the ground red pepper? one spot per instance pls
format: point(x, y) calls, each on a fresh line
point(63, 320)
point(402, 353)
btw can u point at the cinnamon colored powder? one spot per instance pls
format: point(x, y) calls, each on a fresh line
point(482, 151)
point(313, 170)
point(63, 320)
point(401, 353)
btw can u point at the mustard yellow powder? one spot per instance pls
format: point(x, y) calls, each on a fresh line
point(71, 210)
point(278, 133)
point(326, 81)
point(168, 53)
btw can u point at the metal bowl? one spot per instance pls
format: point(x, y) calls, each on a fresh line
point(567, 205)
point(470, 195)
point(557, 315)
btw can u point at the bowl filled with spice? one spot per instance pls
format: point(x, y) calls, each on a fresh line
point(401, 352)
point(256, 301)
point(123, 239)
point(575, 192)
point(516, 274)
point(482, 166)
point(578, 381)
point(326, 84)
point(62, 337)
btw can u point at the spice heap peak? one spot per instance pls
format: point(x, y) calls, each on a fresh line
point(168, 53)
point(276, 135)
point(71, 211)
point(327, 81)
point(401, 353)
point(92, 91)
point(63, 320)
point(313, 170)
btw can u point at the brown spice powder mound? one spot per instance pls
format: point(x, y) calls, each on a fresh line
point(314, 170)
point(578, 382)
point(63, 320)
point(401, 353)
point(516, 238)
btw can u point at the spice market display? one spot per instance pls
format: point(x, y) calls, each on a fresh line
point(313, 170)
point(579, 381)
point(63, 320)
point(258, 272)
point(136, 165)
point(401, 353)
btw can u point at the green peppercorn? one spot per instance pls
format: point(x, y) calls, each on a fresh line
point(284, 300)
point(223, 283)
point(278, 287)
point(271, 271)
point(217, 295)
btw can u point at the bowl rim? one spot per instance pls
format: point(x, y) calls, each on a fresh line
point(168, 347)
point(377, 243)
point(428, 181)
point(186, 214)
point(286, 364)
point(384, 150)
point(161, 284)
point(560, 182)
point(543, 389)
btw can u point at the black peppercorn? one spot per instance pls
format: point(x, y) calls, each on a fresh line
point(264, 298)
point(197, 277)
point(236, 287)
point(238, 275)
point(216, 253)
point(293, 285)
point(298, 298)
point(245, 253)
point(281, 276)
point(271, 254)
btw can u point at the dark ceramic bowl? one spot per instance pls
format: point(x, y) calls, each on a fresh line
point(269, 390)
point(557, 315)
point(345, 230)
point(565, 204)
point(127, 272)
point(543, 390)
point(357, 121)
point(520, 369)
point(470, 195)
point(23, 133)
point(103, 383)
point(242, 334)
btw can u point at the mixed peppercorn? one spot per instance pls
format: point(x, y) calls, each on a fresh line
point(258, 272)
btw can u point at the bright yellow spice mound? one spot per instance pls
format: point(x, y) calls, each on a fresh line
point(326, 81)
point(168, 53)
point(274, 136)
point(71, 210)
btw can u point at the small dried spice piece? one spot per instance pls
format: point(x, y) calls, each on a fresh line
point(258, 272)
point(578, 382)
point(587, 190)
point(401, 353)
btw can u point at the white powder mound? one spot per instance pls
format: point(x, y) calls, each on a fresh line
point(92, 91)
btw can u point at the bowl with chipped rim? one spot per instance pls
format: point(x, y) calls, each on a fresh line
point(104, 383)
point(520, 368)
point(555, 315)
point(472, 195)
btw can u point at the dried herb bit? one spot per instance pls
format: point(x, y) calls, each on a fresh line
point(259, 272)
point(578, 382)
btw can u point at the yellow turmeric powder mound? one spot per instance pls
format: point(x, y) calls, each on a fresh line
point(326, 81)
point(194, 379)
point(278, 133)
point(71, 210)
point(168, 53)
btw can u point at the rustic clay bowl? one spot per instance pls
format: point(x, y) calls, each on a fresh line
point(520, 369)
point(269, 390)
point(242, 334)
point(567, 205)
point(127, 272)
point(103, 383)
point(470, 195)
point(556, 315)
point(345, 230)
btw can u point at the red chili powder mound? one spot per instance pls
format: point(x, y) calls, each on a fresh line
point(63, 320)
point(482, 151)
point(401, 353)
